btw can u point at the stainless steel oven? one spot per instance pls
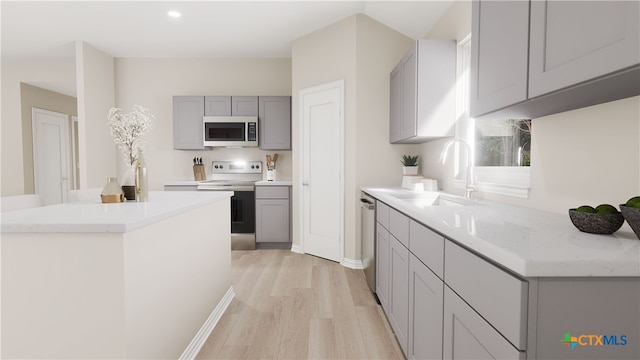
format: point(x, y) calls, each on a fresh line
point(239, 177)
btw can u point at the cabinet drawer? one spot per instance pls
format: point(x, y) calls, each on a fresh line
point(496, 295)
point(427, 246)
point(382, 214)
point(272, 192)
point(399, 226)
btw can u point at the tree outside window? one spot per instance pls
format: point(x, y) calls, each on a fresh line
point(503, 142)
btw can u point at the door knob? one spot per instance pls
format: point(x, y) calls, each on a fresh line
point(305, 183)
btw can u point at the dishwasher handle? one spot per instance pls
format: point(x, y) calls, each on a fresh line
point(366, 204)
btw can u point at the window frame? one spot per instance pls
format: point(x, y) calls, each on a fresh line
point(512, 181)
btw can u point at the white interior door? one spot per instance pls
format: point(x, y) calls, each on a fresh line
point(51, 155)
point(322, 170)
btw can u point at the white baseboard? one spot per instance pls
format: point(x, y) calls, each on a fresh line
point(352, 263)
point(198, 341)
point(296, 249)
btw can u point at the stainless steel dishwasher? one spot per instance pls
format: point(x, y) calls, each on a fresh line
point(368, 238)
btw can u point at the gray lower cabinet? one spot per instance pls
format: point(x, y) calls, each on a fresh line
point(273, 221)
point(399, 291)
point(188, 128)
point(193, 187)
point(444, 301)
point(535, 58)
point(425, 312)
point(468, 336)
point(383, 256)
point(274, 116)
point(422, 105)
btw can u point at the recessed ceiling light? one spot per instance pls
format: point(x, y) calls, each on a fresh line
point(174, 14)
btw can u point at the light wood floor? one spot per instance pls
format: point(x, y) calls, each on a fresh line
point(295, 306)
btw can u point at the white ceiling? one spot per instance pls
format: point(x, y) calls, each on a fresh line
point(48, 29)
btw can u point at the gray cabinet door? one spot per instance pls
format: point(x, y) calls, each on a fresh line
point(274, 117)
point(382, 266)
point(576, 41)
point(272, 220)
point(217, 105)
point(408, 122)
point(402, 116)
point(399, 291)
point(468, 336)
point(188, 126)
point(425, 312)
point(499, 54)
point(244, 106)
point(395, 104)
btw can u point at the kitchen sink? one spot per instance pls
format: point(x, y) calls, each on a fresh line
point(434, 199)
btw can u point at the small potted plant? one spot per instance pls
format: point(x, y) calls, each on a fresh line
point(409, 164)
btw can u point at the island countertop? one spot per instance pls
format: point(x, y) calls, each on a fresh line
point(96, 217)
point(529, 242)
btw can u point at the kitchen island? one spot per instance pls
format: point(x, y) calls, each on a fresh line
point(488, 280)
point(123, 280)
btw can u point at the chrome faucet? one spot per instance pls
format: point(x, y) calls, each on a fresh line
point(470, 185)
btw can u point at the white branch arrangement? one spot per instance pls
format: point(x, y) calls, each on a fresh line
point(128, 130)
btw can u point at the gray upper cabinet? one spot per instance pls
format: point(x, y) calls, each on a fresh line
point(573, 43)
point(217, 105)
point(244, 106)
point(274, 117)
point(422, 93)
point(188, 128)
point(499, 41)
point(537, 58)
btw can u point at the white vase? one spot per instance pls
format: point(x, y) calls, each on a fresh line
point(409, 170)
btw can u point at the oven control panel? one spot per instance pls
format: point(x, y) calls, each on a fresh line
point(236, 167)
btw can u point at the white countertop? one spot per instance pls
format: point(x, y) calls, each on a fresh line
point(183, 183)
point(529, 242)
point(96, 217)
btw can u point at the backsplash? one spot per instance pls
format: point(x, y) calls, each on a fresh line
point(183, 161)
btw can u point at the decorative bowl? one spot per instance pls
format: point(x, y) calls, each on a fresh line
point(632, 215)
point(594, 223)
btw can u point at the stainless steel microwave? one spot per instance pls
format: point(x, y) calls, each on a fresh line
point(231, 131)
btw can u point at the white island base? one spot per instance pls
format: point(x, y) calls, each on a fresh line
point(149, 292)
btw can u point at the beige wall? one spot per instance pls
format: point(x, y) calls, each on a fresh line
point(97, 151)
point(362, 52)
point(585, 156)
point(12, 173)
point(153, 82)
point(31, 97)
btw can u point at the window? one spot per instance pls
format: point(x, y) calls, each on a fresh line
point(503, 142)
point(501, 147)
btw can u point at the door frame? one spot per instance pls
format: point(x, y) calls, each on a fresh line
point(339, 84)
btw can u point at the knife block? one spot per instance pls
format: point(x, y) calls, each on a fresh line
point(198, 172)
